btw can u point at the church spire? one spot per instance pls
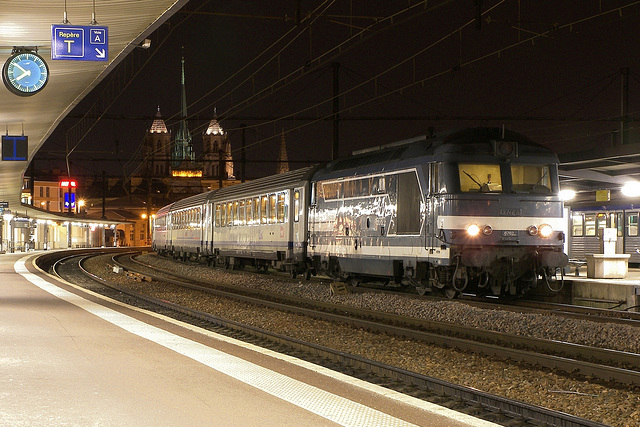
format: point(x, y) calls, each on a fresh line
point(183, 149)
point(282, 164)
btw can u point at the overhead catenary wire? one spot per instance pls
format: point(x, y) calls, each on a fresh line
point(521, 42)
point(397, 90)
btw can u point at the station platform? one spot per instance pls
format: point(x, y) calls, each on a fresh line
point(71, 357)
point(623, 293)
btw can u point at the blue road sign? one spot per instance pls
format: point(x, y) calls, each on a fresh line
point(84, 43)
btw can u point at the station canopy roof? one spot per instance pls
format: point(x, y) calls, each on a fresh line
point(28, 24)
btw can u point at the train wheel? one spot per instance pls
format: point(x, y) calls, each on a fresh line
point(451, 293)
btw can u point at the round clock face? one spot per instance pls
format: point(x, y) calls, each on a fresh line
point(25, 73)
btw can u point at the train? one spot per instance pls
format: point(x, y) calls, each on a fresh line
point(471, 210)
point(587, 222)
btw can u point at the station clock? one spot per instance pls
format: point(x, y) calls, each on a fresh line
point(25, 73)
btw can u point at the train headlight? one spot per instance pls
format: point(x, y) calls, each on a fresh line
point(545, 230)
point(473, 230)
point(532, 230)
point(487, 230)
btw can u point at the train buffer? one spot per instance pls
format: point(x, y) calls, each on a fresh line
point(577, 263)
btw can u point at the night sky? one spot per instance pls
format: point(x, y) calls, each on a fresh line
point(549, 69)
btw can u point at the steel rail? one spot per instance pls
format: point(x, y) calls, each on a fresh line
point(473, 397)
point(571, 358)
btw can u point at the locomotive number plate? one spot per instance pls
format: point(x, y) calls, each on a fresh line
point(509, 233)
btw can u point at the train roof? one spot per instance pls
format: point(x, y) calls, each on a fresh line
point(195, 200)
point(474, 140)
point(267, 184)
point(164, 210)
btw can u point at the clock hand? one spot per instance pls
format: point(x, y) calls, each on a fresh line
point(21, 69)
point(23, 75)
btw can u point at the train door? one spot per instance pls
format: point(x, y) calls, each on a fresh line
point(432, 203)
point(207, 229)
point(312, 218)
point(297, 218)
point(616, 220)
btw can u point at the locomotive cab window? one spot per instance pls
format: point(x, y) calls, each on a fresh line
point(531, 179)
point(483, 178)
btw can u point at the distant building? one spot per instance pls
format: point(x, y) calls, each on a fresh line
point(173, 161)
point(156, 149)
point(47, 194)
point(216, 155)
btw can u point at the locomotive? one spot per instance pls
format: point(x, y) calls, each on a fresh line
point(473, 210)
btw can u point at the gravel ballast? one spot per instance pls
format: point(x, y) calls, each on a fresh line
point(617, 406)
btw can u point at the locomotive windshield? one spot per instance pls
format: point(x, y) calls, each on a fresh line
point(483, 178)
point(531, 179)
point(487, 178)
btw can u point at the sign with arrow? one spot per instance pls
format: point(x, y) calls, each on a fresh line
point(80, 43)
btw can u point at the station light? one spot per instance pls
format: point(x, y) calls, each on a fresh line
point(631, 189)
point(566, 195)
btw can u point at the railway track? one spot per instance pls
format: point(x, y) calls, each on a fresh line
point(608, 365)
point(484, 405)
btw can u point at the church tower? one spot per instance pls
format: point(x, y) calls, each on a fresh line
point(157, 148)
point(182, 156)
point(216, 151)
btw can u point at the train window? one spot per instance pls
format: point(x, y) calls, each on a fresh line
point(256, 210)
point(230, 214)
point(632, 224)
point(531, 179)
point(249, 211)
point(241, 212)
point(296, 205)
point(601, 223)
point(280, 209)
point(590, 225)
point(272, 209)
point(263, 209)
point(408, 204)
point(619, 223)
point(349, 189)
point(612, 220)
point(480, 178)
point(223, 215)
point(438, 182)
point(331, 191)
